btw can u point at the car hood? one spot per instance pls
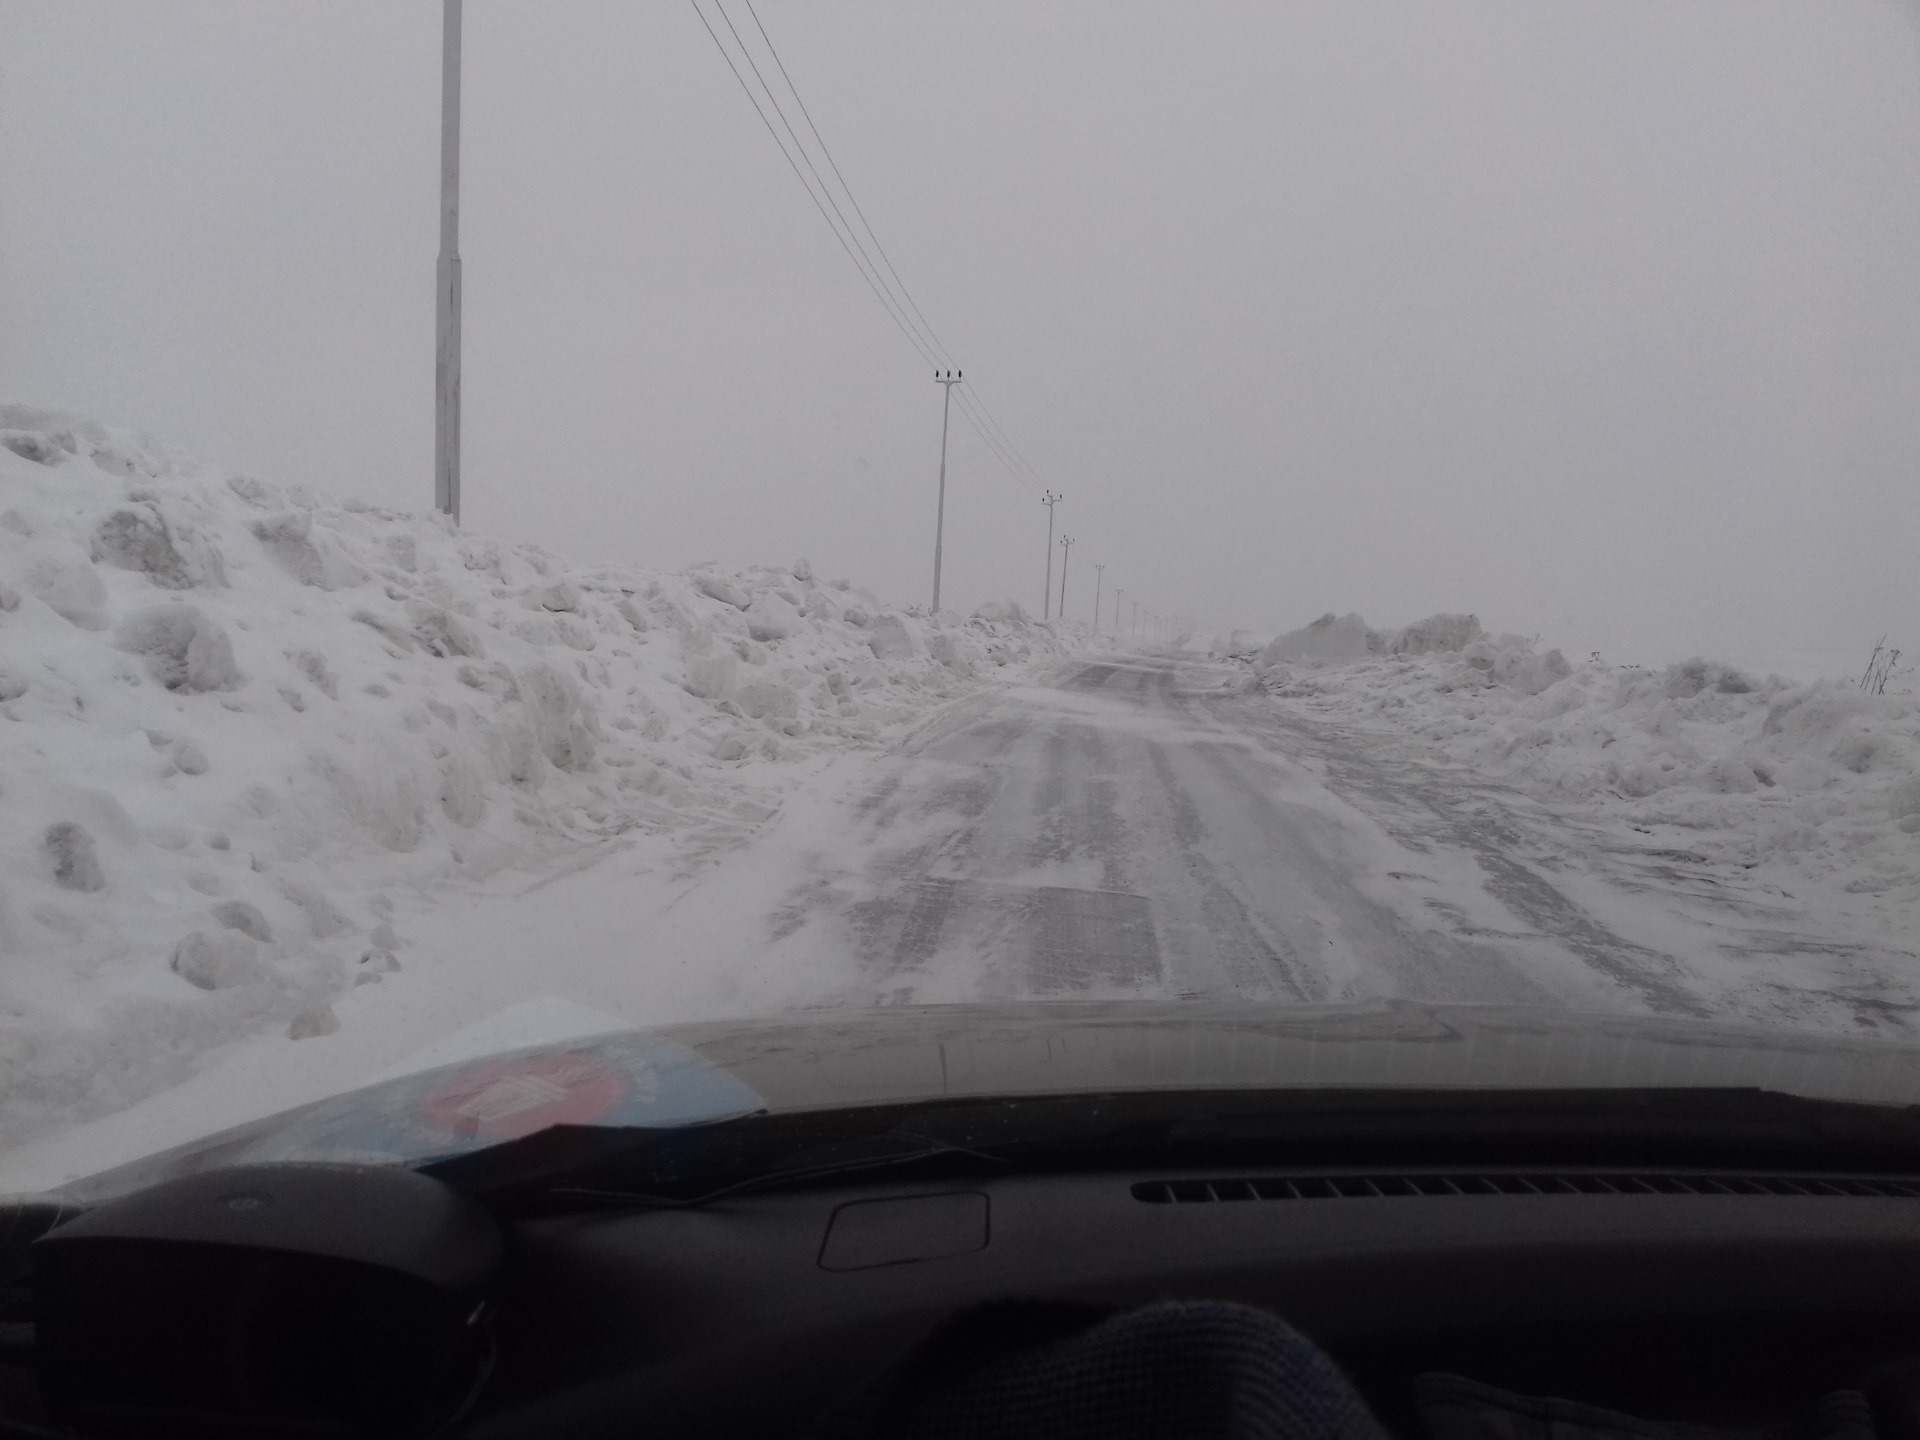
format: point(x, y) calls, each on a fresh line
point(691, 1074)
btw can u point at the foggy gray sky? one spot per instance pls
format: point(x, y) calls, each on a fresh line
point(1602, 321)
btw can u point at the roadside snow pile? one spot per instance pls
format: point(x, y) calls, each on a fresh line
point(1234, 644)
point(1335, 638)
point(1824, 777)
point(232, 714)
point(1331, 637)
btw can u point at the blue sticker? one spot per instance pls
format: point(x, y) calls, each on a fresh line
point(615, 1080)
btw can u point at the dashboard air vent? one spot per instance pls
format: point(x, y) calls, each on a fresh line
point(1562, 1182)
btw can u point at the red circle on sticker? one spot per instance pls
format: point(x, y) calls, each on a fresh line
point(518, 1094)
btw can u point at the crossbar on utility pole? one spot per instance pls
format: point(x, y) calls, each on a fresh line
point(1049, 499)
point(949, 379)
point(446, 350)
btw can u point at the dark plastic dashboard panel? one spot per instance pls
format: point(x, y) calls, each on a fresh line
point(725, 1319)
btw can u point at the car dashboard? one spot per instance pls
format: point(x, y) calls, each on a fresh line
point(1735, 1285)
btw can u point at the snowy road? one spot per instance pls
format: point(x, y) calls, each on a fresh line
point(1140, 829)
point(1136, 827)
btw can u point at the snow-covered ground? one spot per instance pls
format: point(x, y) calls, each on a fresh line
point(247, 731)
point(1813, 788)
point(295, 792)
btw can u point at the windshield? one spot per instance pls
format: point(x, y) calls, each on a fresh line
point(1414, 518)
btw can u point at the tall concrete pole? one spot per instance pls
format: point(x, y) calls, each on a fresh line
point(1099, 574)
point(446, 353)
point(1049, 499)
point(949, 379)
point(1066, 549)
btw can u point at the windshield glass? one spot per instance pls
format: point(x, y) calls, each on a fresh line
point(1415, 510)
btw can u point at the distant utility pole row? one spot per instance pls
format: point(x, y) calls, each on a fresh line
point(1049, 498)
point(946, 380)
point(446, 349)
point(446, 416)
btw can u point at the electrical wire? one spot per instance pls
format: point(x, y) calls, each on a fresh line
point(852, 199)
point(901, 308)
point(754, 100)
point(864, 260)
point(984, 421)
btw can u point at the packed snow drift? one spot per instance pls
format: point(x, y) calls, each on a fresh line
point(1819, 781)
point(234, 716)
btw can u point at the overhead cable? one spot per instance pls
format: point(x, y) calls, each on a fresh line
point(849, 244)
point(880, 275)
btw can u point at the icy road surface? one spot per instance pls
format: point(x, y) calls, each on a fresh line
point(1137, 828)
point(1142, 829)
point(1131, 834)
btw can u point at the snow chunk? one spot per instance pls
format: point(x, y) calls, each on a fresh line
point(185, 650)
point(317, 1019)
point(137, 538)
point(218, 960)
point(772, 617)
point(564, 723)
point(563, 595)
point(323, 916)
point(891, 638)
point(1331, 637)
point(40, 448)
point(715, 588)
point(711, 672)
point(247, 919)
point(66, 582)
point(767, 699)
point(1436, 632)
point(442, 633)
point(76, 866)
point(1692, 677)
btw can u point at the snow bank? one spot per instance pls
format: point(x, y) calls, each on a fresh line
point(234, 715)
point(1240, 645)
point(1336, 638)
point(1331, 637)
point(1822, 778)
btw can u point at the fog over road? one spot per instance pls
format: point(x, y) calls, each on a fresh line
point(1141, 828)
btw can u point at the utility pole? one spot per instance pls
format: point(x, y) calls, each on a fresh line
point(1099, 574)
point(1116, 612)
point(948, 379)
point(446, 349)
point(1066, 549)
point(1136, 618)
point(1049, 498)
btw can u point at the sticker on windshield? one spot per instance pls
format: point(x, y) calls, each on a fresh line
point(617, 1080)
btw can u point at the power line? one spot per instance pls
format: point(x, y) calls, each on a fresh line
point(973, 408)
point(852, 199)
point(902, 309)
point(826, 190)
point(753, 99)
point(988, 428)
